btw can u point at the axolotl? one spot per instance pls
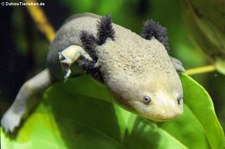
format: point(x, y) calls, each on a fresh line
point(136, 69)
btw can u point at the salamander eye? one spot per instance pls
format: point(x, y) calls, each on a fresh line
point(146, 99)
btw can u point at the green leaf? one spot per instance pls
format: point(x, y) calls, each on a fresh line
point(199, 102)
point(72, 116)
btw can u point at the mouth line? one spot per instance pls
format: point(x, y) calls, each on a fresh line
point(161, 117)
point(164, 119)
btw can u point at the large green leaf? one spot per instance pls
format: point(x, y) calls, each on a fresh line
point(72, 116)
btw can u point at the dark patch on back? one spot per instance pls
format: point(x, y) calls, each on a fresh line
point(105, 30)
point(89, 42)
point(153, 29)
point(90, 68)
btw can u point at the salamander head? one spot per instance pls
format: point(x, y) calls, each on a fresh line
point(157, 100)
point(141, 75)
point(150, 88)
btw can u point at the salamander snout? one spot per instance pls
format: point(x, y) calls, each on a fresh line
point(159, 106)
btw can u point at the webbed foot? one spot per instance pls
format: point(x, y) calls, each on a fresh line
point(65, 64)
point(69, 55)
point(11, 121)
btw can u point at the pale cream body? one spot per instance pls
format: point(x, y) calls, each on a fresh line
point(132, 68)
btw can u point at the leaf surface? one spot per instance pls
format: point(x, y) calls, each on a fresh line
point(77, 115)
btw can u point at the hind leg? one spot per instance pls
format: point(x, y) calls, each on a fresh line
point(23, 102)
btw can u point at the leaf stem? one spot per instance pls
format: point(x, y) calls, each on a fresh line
point(200, 70)
point(41, 20)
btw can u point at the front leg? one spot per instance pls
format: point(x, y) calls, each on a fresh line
point(69, 55)
point(177, 64)
point(23, 102)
